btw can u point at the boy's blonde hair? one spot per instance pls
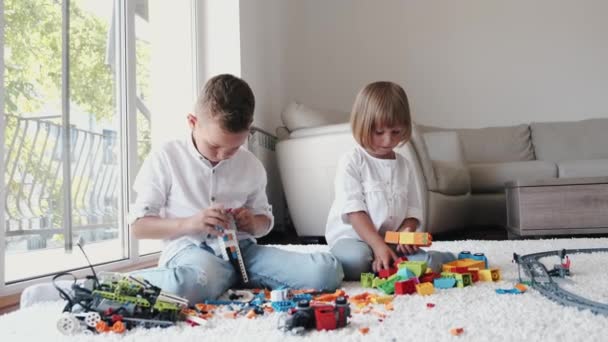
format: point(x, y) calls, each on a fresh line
point(380, 104)
point(228, 99)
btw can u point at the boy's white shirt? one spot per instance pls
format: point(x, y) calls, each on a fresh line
point(384, 188)
point(176, 181)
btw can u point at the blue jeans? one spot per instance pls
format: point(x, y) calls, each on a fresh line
point(197, 274)
point(356, 257)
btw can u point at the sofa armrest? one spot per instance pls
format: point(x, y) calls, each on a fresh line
point(442, 160)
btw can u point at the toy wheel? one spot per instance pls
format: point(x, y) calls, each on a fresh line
point(68, 324)
point(91, 319)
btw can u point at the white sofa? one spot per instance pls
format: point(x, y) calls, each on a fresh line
point(460, 173)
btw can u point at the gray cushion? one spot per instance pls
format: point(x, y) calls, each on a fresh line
point(491, 177)
point(423, 157)
point(583, 168)
point(579, 140)
point(297, 116)
point(452, 178)
point(493, 144)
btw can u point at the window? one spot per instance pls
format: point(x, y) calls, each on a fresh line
point(78, 121)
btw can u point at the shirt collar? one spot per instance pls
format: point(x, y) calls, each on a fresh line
point(197, 154)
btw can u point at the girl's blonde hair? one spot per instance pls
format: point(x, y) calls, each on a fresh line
point(380, 104)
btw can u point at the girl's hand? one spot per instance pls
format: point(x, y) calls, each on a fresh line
point(383, 257)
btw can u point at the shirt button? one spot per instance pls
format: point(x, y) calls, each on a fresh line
point(213, 171)
point(212, 199)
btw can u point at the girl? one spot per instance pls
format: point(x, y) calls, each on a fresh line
point(374, 187)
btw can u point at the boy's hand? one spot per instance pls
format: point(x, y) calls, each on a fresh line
point(383, 257)
point(243, 218)
point(205, 221)
point(407, 249)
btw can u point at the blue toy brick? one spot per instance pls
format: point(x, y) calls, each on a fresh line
point(283, 305)
point(480, 257)
point(464, 255)
point(444, 283)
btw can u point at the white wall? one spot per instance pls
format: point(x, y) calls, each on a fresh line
point(467, 63)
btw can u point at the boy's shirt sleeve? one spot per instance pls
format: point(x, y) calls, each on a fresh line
point(348, 188)
point(152, 186)
point(258, 201)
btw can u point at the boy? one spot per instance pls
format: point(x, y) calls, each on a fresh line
point(185, 189)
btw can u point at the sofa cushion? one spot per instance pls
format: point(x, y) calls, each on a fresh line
point(297, 116)
point(491, 177)
point(583, 168)
point(578, 140)
point(493, 144)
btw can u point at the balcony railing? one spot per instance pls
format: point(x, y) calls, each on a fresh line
point(33, 178)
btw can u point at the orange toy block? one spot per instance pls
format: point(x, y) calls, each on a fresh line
point(391, 237)
point(466, 263)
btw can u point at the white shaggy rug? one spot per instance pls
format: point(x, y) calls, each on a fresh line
point(483, 314)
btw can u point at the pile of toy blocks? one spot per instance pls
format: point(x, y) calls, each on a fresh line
point(408, 277)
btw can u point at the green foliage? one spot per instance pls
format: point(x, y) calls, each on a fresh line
point(33, 62)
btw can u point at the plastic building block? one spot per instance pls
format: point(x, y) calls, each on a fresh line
point(481, 257)
point(492, 274)
point(385, 273)
point(409, 238)
point(405, 287)
point(417, 267)
point(377, 282)
point(231, 251)
point(425, 289)
point(468, 263)
point(465, 255)
point(406, 273)
point(444, 283)
point(367, 279)
point(429, 277)
point(456, 331)
point(283, 306)
point(399, 261)
point(392, 237)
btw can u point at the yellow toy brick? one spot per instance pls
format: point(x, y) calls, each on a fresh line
point(414, 238)
point(381, 299)
point(492, 274)
point(425, 289)
point(391, 237)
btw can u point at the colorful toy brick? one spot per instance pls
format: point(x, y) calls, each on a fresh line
point(377, 282)
point(481, 257)
point(385, 273)
point(462, 280)
point(367, 279)
point(429, 277)
point(465, 255)
point(406, 273)
point(418, 267)
point(492, 274)
point(392, 237)
point(474, 272)
point(409, 238)
point(468, 263)
point(399, 261)
point(425, 289)
point(405, 287)
point(444, 283)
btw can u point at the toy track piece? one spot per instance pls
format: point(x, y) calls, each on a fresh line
point(231, 252)
point(541, 280)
